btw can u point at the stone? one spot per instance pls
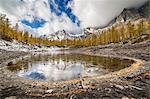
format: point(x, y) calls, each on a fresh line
point(49, 91)
point(10, 63)
point(11, 97)
point(119, 86)
point(124, 97)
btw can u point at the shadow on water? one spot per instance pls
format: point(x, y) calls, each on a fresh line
point(66, 66)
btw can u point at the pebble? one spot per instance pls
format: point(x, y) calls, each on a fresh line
point(73, 97)
point(78, 85)
point(11, 97)
point(49, 91)
point(108, 89)
point(98, 89)
point(124, 97)
point(126, 87)
point(119, 86)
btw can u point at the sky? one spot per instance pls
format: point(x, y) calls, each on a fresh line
point(41, 17)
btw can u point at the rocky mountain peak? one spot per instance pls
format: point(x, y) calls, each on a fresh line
point(145, 10)
point(134, 14)
point(129, 14)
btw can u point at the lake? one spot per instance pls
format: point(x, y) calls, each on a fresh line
point(60, 67)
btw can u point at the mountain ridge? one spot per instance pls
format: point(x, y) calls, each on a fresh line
point(128, 14)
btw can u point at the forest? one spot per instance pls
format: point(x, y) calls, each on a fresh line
point(123, 32)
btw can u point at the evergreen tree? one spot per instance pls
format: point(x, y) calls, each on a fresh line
point(130, 29)
point(141, 27)
point(26, 37)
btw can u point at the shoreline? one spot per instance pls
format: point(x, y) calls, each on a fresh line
point(65, 89)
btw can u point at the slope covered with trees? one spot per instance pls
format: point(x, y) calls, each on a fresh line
point(7, 32)
point(122, 32)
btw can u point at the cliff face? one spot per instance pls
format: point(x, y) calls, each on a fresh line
point(134, 14)
point(145, 10)
point(128, 14)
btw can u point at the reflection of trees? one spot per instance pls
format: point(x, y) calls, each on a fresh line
point(20, 65)
point(63, 67)
point(63, 61)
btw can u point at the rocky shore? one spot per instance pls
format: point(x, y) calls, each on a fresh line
point(139, 78)
point(132, 82)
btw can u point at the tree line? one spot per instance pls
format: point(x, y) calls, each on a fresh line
point(123, 32)
point(114, 34)
point(9, 33)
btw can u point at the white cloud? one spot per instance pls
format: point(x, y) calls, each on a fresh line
point(90, 13)
point(100, 12)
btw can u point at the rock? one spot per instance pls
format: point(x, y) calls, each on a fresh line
point(134, 74)
point(10, 63)
point(49, 91)
point(79, 85)
point(144, 10)
point(124, 97)
point(108, 90)
point(129, 14)
point(11, 97)
point(126, 87)
point(119, 86)
point(122, 78)
point(73, 97)
point(136, 87)
point(132, 14)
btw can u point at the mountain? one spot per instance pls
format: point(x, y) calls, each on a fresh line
point(60, 35)
point(40, 17)
point(145, 10)
point(134, 14)
point(127, 14)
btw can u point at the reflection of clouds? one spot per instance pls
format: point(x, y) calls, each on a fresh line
point(56, 70)
point(36, 75)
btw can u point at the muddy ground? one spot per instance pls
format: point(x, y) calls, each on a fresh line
point(132, 82)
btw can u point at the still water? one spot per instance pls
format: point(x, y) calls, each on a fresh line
point(58, 67)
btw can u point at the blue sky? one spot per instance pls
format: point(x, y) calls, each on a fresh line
point(49, 16)
point(36, 23)
point(58, 7)
point(62, 7)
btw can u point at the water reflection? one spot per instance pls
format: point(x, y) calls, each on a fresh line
point(66, 66)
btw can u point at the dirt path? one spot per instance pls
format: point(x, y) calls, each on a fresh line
point(132, 84)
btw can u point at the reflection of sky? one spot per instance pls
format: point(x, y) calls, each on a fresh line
point(53, 70)
point(57, 70)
